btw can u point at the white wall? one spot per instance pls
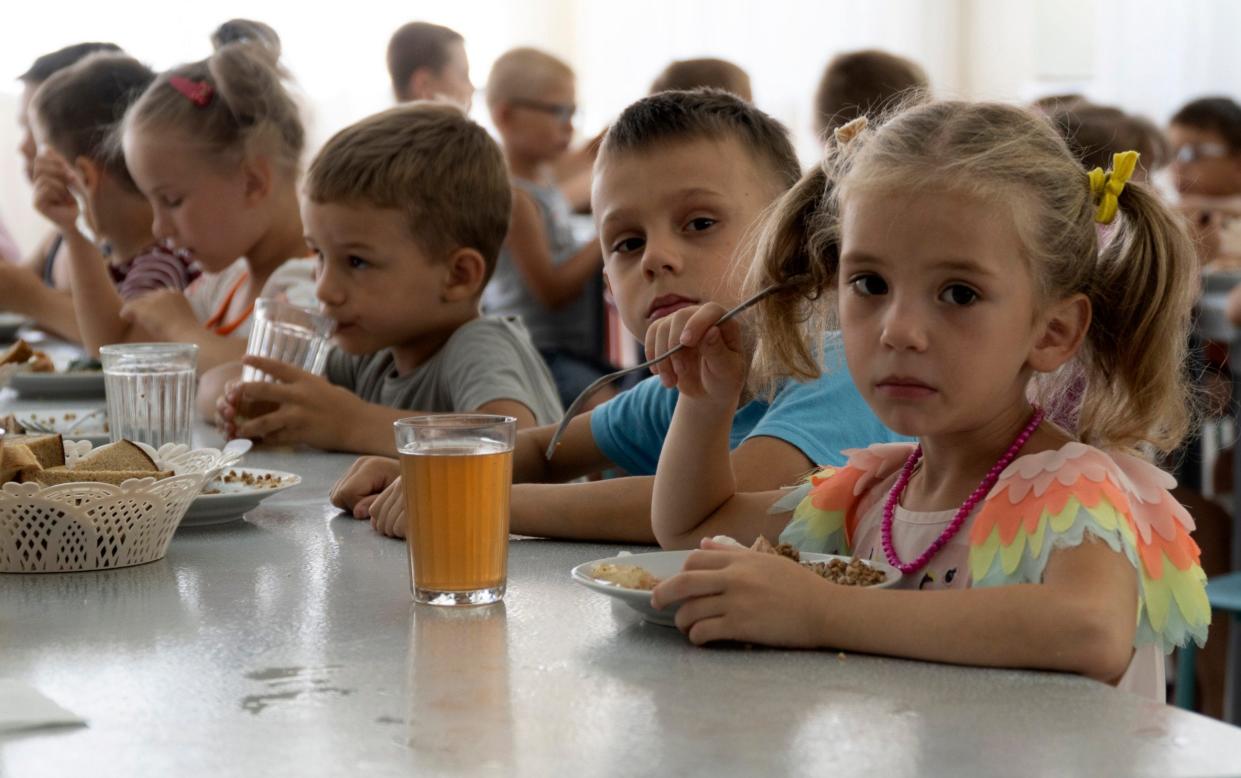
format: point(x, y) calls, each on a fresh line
point(1146, 55)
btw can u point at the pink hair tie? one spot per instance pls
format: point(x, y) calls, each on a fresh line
point(199, 92)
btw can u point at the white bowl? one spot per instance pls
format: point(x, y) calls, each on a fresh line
point(96, 526)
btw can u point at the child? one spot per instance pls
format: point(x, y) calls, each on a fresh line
point(962, 242)
point(681, 179)
point(74, 115)
point(406, 211)
point(428, 62)
point(17, 281)
point(215, 147)
point(861, 83)
point(543, 275)
point(707, 72)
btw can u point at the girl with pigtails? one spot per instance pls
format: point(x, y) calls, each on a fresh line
point(959, 248)
point(215, 146)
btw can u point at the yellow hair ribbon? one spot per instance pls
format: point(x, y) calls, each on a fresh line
point(1105, 188)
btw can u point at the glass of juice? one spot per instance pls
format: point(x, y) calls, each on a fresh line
point(457, 469)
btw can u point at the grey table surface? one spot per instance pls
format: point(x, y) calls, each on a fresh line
point(287, 643)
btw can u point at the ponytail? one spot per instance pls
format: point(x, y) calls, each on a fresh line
point(1141, 293)
point(242, 106)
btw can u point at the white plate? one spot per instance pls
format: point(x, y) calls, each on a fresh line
point(83, 384)
point(234, 500)
point(94, 429)
point(10, 323)
point(664, 564)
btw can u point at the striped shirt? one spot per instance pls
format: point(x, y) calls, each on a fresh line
point(155, 267)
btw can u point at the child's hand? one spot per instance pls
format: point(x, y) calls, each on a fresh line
point(311, 409)
point(53, 191)
point(388, 511)
point(226, 409)
point(729, 594)
point(712, 365)
point(363, 483)
point(165, 314)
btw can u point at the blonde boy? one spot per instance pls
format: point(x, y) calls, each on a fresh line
point(544, 275)
point(681, 179)
point(406, 211)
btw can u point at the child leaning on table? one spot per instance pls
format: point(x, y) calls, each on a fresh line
point(406, 211)
point(961, 247)
point(681, 179)
point(74, 116)
point(215, 147)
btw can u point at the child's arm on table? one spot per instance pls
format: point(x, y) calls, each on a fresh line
point(1080, 619)
point(314, 411)
point(25, 293)
point(551, 284)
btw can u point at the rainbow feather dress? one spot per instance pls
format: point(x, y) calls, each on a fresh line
point(1040, 503)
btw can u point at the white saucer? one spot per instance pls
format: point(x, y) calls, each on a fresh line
point(234, 500)
point(61, 419)
point(664, 564)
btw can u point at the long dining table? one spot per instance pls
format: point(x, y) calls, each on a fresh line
point(287, 643)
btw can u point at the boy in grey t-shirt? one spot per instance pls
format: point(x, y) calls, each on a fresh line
point(406, 211)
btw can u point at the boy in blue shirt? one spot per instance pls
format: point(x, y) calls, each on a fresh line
point(680, 181)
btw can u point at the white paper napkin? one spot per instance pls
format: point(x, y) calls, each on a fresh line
point(24, 707)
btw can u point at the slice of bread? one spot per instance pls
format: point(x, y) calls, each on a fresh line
point(17, 354)
point(17, 462)
point(121, 455)
point(63, 475)
point(48, 449)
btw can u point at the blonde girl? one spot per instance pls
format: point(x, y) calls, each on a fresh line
point(215, 147)
point(960, 246)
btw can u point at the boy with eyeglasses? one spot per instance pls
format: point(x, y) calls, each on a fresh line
point(544, 275)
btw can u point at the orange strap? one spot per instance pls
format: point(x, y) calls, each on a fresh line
point(217, 324)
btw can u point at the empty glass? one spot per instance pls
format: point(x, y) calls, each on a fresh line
point(151, 389)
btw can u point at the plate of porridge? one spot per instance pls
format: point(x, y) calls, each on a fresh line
point(236, 492)
point(631, 577)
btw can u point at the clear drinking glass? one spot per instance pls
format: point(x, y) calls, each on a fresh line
point(290, 333)
point(150, 389)
point(458, 474)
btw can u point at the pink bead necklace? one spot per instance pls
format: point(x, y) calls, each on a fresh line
point(894, 497)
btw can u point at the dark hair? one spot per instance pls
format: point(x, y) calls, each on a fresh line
point(1216, 114)
point(81, 106)
point(708, 71)
point(247, 108)
point(417, 45)
point(713, 114)
point(1096, 132)
point(864, 83)
point(45, 66)
point(429, 161)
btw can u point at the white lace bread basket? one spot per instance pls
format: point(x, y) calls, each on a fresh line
point(97, 526)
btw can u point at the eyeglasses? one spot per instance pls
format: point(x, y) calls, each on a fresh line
point(1192, 152)
point(562, 112)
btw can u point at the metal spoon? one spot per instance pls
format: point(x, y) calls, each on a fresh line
point(603, 381)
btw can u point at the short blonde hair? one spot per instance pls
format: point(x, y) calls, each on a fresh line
point(524, 73)
point(430, 161)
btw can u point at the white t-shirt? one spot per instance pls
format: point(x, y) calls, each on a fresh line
point(219, 300)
